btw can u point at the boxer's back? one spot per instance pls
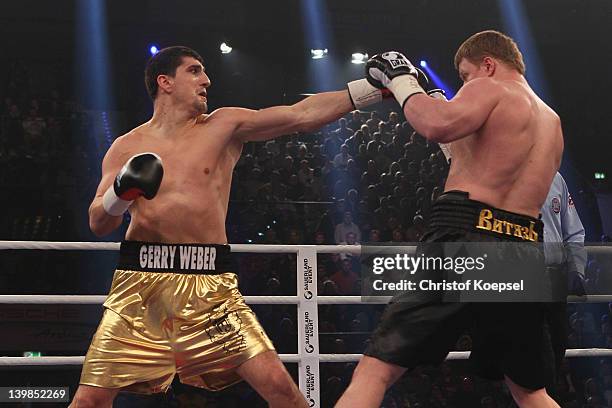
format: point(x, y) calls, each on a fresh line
point(511, 160)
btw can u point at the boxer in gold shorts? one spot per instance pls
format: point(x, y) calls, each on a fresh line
point(167, 315)
point(174, 306)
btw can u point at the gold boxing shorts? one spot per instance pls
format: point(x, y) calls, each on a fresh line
point(171, 309)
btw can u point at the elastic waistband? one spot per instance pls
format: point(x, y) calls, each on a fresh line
point(454, 209)
point(208, 259)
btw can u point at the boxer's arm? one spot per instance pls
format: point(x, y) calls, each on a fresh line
point(100, 222)
point(307, 115)
point(443, 122)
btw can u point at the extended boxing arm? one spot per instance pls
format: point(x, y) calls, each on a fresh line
point(307, 115)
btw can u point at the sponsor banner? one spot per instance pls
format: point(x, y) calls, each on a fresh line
point(308, 331)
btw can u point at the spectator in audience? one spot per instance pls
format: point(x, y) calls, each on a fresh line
point(416, 231)
point(320, 239)
point(393, 119)
point(366, 131)
point(294, 189)
point(317, 160)
point(345, 278)
point(342, 158)
point(397, 235)
point(346, 226)
point(343, 132)
point(356, 121)
point(287, 168)
point(305, 173)
point(331, 145)
point(374, 235)
point(273, 147)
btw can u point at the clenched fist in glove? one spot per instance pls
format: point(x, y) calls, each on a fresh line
point(140, 177)
point(394, 71)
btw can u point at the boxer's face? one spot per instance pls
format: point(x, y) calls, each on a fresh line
point(190, 83)
point(469, 71)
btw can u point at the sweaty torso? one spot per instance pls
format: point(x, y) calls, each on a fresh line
point(191, 204)
point(510, 161)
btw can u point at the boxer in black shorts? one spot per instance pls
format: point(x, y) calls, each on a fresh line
point(506, 146)
point(508, 338)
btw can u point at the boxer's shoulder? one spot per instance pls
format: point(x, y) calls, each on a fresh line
point(229, 114)
point(223, 120)
point(133, 136)
point(486, 90)
point(123, 146)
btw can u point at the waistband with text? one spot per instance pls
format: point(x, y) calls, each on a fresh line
point(177, 258)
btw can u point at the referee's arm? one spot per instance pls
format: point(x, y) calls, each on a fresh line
point(573, 233)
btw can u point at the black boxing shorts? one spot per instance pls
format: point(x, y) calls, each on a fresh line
point(509, 339)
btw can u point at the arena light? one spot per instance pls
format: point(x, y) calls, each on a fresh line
point(318, 53)
point(359, 58)
point(423, 63)
point(225, 49)
point(153, 50)
point(600, 176)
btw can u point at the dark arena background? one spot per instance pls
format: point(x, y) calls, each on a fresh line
point(71, 81)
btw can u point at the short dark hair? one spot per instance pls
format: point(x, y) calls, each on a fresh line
point(165, 62)
point(493, 44)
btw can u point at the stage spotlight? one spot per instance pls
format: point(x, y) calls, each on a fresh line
point(424, 63)
point(225, 49)
point(318, 53)
point(359, 58)
point(153, 50)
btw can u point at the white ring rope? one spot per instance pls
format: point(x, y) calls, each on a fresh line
point(242, 248)
point(287, 358)
point(252, 300)
point(63, 246)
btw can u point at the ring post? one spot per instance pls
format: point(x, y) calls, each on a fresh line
point(308, 325)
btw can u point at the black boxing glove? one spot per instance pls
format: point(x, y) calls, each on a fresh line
point(394, 71)
point(140, 177)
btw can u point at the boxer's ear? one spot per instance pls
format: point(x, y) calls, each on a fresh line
point(489, 65)
point(165, 82)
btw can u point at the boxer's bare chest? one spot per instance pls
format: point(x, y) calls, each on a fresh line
point(192, 160)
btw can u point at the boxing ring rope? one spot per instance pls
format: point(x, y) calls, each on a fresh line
point(252, 300)
point(308, 357)
point(287, 358)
